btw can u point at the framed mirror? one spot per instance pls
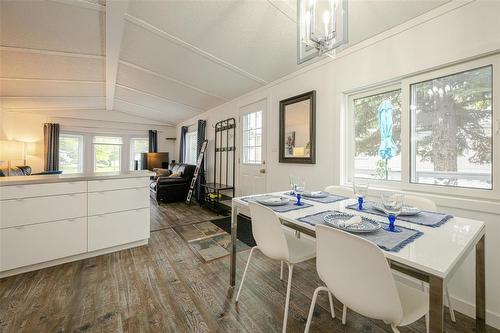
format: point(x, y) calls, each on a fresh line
point(298, 129)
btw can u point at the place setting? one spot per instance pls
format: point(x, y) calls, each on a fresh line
point(407, 213)
point(312, 195)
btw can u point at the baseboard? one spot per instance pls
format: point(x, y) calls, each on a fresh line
point(466, 308)
point(82, 256)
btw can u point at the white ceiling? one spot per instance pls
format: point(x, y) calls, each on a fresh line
point(167, 60)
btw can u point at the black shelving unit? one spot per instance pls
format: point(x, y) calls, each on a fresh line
point(220, 192)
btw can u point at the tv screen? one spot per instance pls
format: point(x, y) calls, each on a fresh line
point(154, 160)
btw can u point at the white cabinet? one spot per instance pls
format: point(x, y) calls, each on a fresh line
point(117, 184)
point(41, 190)
point(115, 201)
point(23, 246)
point(117, 228)
point(18, 212)
point(40, 223)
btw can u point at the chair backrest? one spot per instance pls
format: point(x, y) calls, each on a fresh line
point(340, 190)
point(419, 202)
point(357, 273)
point(268, 232)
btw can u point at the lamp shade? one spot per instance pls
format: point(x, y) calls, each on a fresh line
point(11, 150)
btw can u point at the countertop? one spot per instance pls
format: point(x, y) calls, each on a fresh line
point(44, 179)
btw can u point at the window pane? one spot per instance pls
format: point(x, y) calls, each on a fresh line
point(108, 139)
point(137, 146)
point(71, 153)
point(252, 138)
point(452, 129)
point(107, 158)
point(377, 136)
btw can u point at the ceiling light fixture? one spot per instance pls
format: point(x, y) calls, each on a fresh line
point(322, 27)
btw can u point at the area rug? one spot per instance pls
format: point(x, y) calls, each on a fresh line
point(208, 241)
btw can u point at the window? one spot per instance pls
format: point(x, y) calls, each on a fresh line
point(252, 138)
point(443, 132)
point(71, 153)
point(377, 134)
point(190, 154)
point(137, 146)
point(107, 153)
point(451, 130)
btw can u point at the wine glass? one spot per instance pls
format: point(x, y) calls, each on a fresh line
point(293, 184)
point(300, 187)
point(360, 190)
point(392, 204)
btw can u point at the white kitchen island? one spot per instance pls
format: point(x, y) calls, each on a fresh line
point(52, 219)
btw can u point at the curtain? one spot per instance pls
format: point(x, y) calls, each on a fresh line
point(51, 146)
point(200, 194)
point(182, 143)
point(153, 141)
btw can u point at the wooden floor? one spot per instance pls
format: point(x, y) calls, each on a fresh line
point(164, 287)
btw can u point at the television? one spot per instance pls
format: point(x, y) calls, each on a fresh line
point(149, 161)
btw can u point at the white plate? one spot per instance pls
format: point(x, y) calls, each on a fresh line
point(406, 211)
point(314, 194)
point(273, 201)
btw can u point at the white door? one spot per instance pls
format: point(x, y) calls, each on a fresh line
point(253, 148)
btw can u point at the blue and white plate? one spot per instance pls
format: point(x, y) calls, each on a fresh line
point(315, 194)
point(366, 225)
point(273, 201)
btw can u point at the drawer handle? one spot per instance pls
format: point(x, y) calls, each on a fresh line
point(19, 228)
point(20, 199)
point(71, 194)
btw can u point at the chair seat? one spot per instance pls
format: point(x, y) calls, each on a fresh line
point(414, 301)
point(299, 249)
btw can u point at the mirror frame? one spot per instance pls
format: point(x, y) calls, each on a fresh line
point(311, 95)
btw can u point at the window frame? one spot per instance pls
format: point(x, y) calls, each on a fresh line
point(131, 150)
point(406, 142)
point(243, 146)
point(350, 133)
point(191, 135)
point(81, 150)
point(120, 145)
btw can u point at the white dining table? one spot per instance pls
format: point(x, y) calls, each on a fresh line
point(432, 258)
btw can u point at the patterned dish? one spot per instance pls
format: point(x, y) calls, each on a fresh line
point(315, 194)
point(365, 226)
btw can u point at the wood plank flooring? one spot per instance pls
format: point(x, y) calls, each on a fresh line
point(164, 287)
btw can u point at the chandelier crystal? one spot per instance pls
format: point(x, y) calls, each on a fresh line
point(322, 27)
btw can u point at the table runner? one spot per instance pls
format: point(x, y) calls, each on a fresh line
point(329, 199)
point(426, 218)
point(386, 240)
point(279, 209)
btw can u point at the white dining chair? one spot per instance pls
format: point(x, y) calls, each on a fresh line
point(429, 205)
point(356, 271)
point(340, 190)
point(277, 244)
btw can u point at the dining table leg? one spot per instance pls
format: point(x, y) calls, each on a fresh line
point(234, 228)
point(480, 288)
point(436, 318)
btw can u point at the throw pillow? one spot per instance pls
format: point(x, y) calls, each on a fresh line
point(175, 175)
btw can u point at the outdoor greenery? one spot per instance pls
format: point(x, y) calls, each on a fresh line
point(69, 153)
point(453, 118)
point(107, 157)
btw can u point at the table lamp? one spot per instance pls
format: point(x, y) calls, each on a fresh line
point(11, 150)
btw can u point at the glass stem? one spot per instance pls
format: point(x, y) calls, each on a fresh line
point(360, 203)
point(298, 199)
point(392, 220)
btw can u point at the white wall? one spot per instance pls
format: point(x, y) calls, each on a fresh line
point(451, 33)
point(28, 127)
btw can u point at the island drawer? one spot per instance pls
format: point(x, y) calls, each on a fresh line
point(117, 184)
point(33, 244)
point(19, 212)
point(114, 229)
point(115, 201)
point(39, 190)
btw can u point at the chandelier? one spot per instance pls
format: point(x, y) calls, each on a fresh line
point(322, 27)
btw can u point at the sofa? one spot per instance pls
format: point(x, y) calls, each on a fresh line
point(172, 189)
point(22, 170)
